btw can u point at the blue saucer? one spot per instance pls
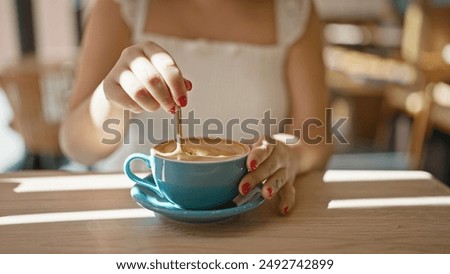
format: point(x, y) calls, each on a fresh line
point(149, 200)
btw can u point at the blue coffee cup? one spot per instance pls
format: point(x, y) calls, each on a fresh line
point(195, 185)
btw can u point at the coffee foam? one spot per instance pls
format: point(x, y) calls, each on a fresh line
point(196, 149)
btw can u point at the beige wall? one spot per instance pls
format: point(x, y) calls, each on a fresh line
point(55, 29)
point(9, 36)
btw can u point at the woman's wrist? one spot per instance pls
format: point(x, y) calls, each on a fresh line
point(305, 158)
point(101, 108)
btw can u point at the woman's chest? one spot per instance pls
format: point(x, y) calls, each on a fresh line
point(243, 21)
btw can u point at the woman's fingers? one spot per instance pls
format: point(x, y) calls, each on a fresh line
point(117, 95)
point(268, 167)
point(274, 184)
point(287, 194)
point(137, 91)
point(258, 155)
point(145, 78)
point(153, 81)
point(187, 84)
point(169, 71)
point(267, 162)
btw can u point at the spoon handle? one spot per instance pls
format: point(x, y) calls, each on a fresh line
point(178, 126)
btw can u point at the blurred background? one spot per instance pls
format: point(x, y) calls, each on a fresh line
point(388, 71)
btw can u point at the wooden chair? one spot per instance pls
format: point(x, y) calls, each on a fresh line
point(37, 94)
point(357, 35)
point(437, 150)
point(425, 36)
point(440, 106)
point(426, 33)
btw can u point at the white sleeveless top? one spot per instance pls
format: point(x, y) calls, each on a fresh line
point(231, 80)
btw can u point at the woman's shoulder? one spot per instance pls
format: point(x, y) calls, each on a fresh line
point(130, 10)
point(292, 18)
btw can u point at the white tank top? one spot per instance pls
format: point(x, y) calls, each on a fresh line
point(231, 80)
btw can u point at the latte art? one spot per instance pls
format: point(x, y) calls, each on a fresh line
point(196, 149)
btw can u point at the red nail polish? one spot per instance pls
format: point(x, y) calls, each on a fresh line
point(246, 188)
point(183, 101)
point(173, 110)
point(188, 84)
point(253, 165)
point(286, 210)
point(270, 190)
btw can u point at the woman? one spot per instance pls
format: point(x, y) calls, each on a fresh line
point(243, 58)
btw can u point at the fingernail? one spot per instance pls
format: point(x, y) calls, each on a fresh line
point(253, 165)
point(173, 110)
point(246, 188)
point(188, 84)
point(183, 101)
point(286, 210)
point(270, 190)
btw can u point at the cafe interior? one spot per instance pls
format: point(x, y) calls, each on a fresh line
point(387, 70)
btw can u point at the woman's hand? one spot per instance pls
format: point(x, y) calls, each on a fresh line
point(276, 163)
point(145, 78)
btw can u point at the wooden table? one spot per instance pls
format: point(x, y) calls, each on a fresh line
point(339, 212)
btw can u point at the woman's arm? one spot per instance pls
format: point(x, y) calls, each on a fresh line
point(278, 164)
point(309, 96)
point(114, 76)
point(105, 37)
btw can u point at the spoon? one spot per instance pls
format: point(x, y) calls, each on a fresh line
point(180, 150)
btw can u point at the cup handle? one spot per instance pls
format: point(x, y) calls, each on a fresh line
point(149, 184)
